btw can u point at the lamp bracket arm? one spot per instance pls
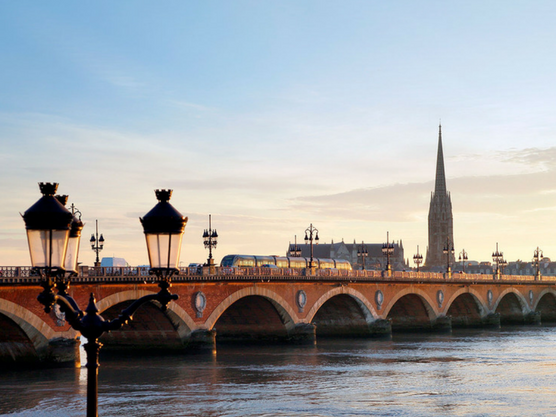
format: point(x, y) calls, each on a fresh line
point(68, 306)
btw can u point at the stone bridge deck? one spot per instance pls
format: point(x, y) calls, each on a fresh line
point(262, 305)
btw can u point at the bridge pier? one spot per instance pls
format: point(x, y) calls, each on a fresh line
point(62, 352)
point(303, 333)
point(381, 328)
point(202, 341)
point(442, 324)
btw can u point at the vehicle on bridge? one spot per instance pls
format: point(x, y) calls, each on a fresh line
point(253, 261)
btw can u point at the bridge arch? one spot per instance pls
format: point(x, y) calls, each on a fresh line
point(179, 318)
point(411, 309)
point(546, 305)
point(37, 331)
point(342, 311)
point(467, 308)
point(512, 306)
point(285, 311)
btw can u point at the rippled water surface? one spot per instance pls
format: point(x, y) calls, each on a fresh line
point(509, 372)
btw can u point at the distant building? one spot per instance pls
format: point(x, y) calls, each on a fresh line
point(108, 262)
point(441, 229)
point(348, 251)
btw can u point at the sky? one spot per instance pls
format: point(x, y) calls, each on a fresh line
point(272, 116)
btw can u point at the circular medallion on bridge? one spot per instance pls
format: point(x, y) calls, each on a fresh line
point(301, 299)
point(379, 298)
point(200, 302)
point(440, 298)
point(531, 296)
point(489, 297)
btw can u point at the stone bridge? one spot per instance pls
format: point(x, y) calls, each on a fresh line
point(226, 305)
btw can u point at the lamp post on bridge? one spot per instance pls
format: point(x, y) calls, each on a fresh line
point(362, 253)
point(50, 230)
point(418, 258)
point(449, 252)
point(388, 250)
point(97, 244)
point(498, 259)
point(537, 258)
point(309, 238)
point(210, 237)
point(463, 259)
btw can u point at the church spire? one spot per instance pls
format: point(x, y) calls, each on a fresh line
point(440, 184)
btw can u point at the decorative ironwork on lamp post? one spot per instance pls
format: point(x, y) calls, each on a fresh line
point(362, 253)
point(463, 259)
point(97, 244)
point(295, 250)
point(537, 258)
point(210, 240)
point(498, 259)
point(449, 252)
point(418, 258)
point(388, 251)
point(50, 230)
point(311, 234)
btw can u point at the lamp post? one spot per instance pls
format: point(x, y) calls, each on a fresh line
point(97, 244)
point(295, 251)
point(49, 232)
point(418, 258)
point(537, 258)
point(309, 238)
point(448, 251)
point(210, 240)
point(388, 250)
point(362, 253)
point(463, 259)
point(498, 259)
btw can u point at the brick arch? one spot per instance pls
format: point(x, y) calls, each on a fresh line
point(541, 295)
point(366, 307)
point(476, 295)
point(175, 313)
point(36, 329)
point(432, 311)
point(520, 298)
point(286, 312)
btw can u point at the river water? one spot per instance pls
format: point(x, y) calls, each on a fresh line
point(508, 372)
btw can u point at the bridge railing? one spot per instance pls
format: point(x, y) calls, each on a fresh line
point(24, 275)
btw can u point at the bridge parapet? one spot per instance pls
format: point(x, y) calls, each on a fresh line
point(24, 275)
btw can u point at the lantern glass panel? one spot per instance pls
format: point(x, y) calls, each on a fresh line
point(47, 247)
point(71, 254)
point(164, 249)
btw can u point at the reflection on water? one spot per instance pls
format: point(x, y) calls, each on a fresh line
point(467, 373)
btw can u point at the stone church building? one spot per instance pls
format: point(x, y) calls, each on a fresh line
point(441, 229)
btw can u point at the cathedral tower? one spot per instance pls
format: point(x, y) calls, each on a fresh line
point(441, 230)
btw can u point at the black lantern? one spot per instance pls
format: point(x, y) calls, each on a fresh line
point(164, 227)
point(48, 227)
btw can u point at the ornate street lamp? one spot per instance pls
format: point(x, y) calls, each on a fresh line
point(49, 227)
point(537, 258)
point(210, 240)
point(388, 250)
point(362, 254)
point(97, 244)
point(498, 259)
point(309, 238)
point(418, 258)
point(295, 250)
point(463, 259)
point(448, 251)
